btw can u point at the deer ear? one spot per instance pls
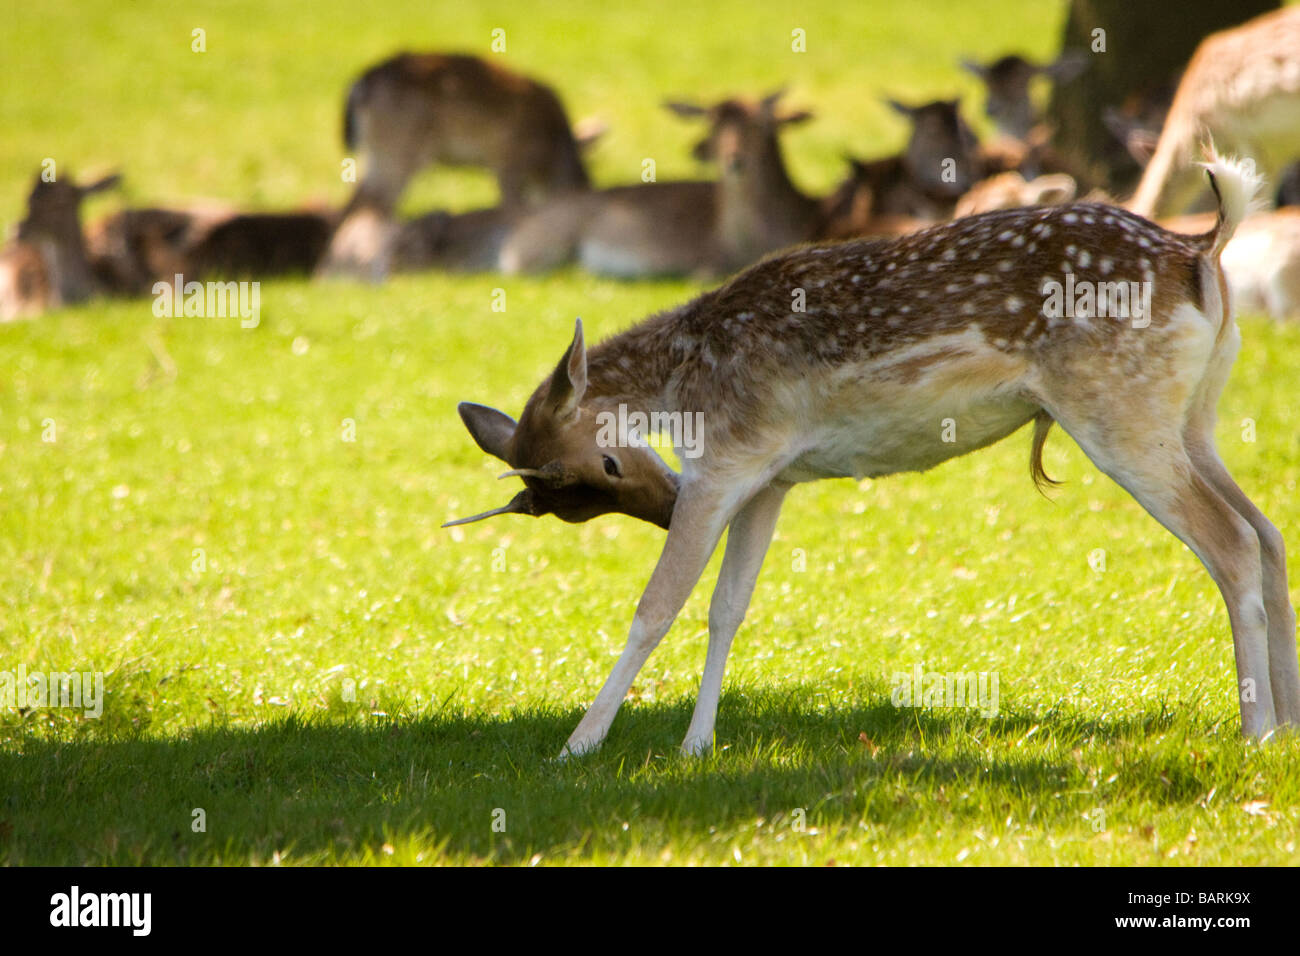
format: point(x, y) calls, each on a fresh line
point(979, 69)
point(569, 380)
point(688, 110)
point(790, 119)
point(490, 429)
point(99, 185)
point(898, 107)
point(1067, 66)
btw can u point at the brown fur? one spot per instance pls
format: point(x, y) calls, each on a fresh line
point(1234, 77)
point(415, 109)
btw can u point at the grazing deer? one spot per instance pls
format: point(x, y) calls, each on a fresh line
point(681, 227)
point(1242, 86)
point(1007, 81)
point(47, 265)
point(953, 323)
point(416, 109)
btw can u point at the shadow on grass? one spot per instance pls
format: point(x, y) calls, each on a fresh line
point(339, 788)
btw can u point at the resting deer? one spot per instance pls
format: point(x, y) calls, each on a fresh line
point(132, 249)
point(681, 227)
point(954, 322)
point(940, 162)
point(1242, 86)
point(1009, 190)
point(47, 265)
point(1007, 81)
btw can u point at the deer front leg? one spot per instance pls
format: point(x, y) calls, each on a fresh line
point(698, 519)
point(747, 541)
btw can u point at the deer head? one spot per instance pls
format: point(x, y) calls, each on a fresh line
point(941, 155)
point(738, 129)
point(54, 207)
point(1007, 80)
point(559, 448)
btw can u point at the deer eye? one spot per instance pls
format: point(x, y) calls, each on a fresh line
point(611, 467)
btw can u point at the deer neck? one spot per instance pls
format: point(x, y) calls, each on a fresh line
point(635, 368)
point(70, 268)
point(760, 207)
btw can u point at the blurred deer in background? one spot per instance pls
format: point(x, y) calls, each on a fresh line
point(47, 265)
point(1007, 81)
point(416, 109)
point(681, 228)
point(1242, 88)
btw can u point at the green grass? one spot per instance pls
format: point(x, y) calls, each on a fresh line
point(474, 651)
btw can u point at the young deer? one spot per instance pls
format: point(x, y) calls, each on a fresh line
point(1242, 86)
point(681, 227)
point(951, 323)
point(47, 265)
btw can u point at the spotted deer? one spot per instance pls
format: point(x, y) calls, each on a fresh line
point(896, 336)
point(47, 266)
point(681, 228)
point(1242, 87)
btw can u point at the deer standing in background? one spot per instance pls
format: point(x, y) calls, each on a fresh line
point(897, 337)
point(1242, 87)
point(416, 109)
point(681, 228)
point(47, 265)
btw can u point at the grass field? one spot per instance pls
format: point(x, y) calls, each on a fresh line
point(293, 646)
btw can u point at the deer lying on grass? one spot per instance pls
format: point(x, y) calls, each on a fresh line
point(897, 336)
point(939, 163)
point(134, 248)
point(456, 242)
point(1010, 190)
point(1242, 86)
point(47, 265)
point(680, 227)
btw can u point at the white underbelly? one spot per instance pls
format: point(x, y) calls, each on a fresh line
point(880, 418)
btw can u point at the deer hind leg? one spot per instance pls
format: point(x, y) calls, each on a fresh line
point(747, 541)
point(699, 518)
point(1284, 668)
point(1156, 469)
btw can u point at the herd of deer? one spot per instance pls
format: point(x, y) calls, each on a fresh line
point(413, 110)
point(926, 339)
